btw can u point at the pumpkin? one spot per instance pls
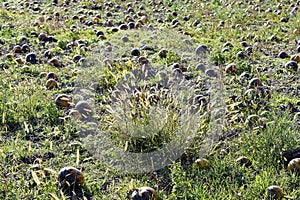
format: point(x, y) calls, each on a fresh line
point(142, 193)
point(294, 165)
point(275, 192)
point(70, 177)
point(202, 163)
point(63, 100)
point(244, 161)
point(51, 83)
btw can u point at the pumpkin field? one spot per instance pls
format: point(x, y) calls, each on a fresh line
point(149, 100)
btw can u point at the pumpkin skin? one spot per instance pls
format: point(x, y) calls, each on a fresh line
point(63, 100)
point(202, 163)
point(231, 69)
point(142, 193)
point(275, 192)
point(69, 177)
point(84, 108)
point(43, 74)
point(244, 161)
point(296, 58)
point(255, 82)
point(75, 114)
point(50, 84)
point(294, 165)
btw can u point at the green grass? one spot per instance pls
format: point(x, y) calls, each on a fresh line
point(37, 137)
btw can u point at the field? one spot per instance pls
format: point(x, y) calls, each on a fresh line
point(195, 99)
